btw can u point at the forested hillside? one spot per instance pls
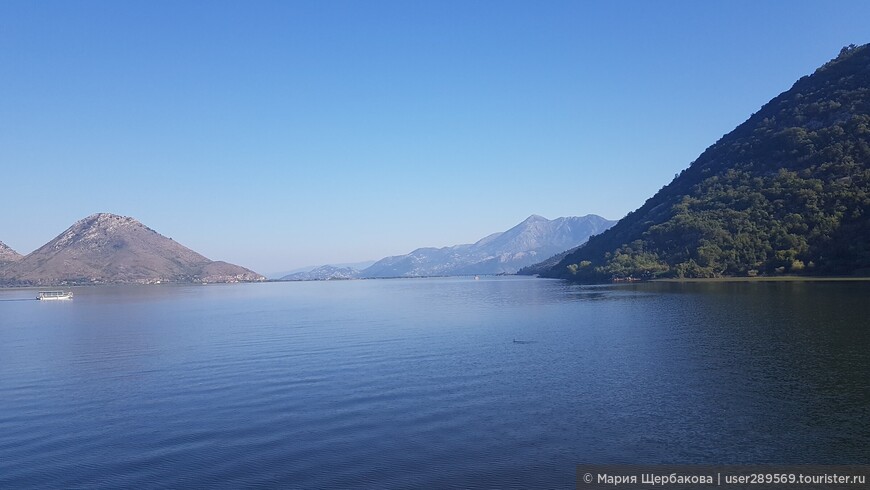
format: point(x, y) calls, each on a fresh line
point(786, 192)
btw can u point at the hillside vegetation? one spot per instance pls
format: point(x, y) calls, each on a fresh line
point(787, 191)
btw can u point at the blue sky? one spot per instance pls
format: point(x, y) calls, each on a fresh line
point(281, 134)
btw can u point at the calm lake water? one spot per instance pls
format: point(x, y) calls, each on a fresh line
point(419, 383)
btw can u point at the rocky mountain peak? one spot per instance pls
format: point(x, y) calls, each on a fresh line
point(535, 218)
point(7, 254)
point(99, 230)
point(108, 248)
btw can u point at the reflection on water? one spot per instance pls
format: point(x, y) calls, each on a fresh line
point(501, 382)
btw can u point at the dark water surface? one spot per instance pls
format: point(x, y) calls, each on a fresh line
point(419, 383)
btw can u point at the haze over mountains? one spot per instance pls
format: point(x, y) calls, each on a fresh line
point(110, 249)
point(786, 192)
point(500, 253)
point(323, 273)
point(534, 239)
point(107, 248)
point(302, 271)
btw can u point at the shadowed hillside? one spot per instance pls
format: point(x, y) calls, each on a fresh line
point(787, 191)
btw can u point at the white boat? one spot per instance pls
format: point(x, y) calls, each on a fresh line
point(54, 295)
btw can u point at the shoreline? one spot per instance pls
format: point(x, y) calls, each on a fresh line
point(767, 279)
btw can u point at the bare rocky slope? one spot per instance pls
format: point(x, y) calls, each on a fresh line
point(107, 248)
point(7, 255)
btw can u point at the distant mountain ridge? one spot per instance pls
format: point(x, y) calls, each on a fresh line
point(106, 248)
point(786, 192)
point(532, 240)
point(357, 266)
point(323, 273)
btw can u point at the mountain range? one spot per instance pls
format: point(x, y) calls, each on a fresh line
point(786, 192)
point(499, 253)
point(107, 248)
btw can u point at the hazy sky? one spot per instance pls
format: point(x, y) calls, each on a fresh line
point(280, 134)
